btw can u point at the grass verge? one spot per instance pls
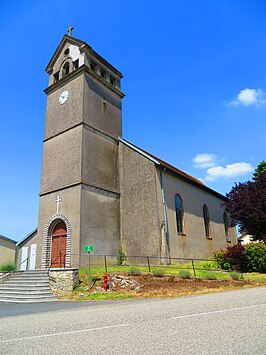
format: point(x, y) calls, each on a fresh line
point(100, 296)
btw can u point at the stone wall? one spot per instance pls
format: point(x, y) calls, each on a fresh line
point(5, 275)
point(139, 215)
point(63, 281)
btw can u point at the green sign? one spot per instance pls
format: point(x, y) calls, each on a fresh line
point(88, 248)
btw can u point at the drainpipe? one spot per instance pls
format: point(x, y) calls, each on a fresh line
point(165, 218)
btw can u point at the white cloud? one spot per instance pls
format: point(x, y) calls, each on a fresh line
point(230, 170)
point(249, 97)
point(204, 160)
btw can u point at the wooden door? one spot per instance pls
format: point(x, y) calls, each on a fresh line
point(58, 255)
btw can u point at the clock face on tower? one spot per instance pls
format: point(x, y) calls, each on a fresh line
point(63, 97)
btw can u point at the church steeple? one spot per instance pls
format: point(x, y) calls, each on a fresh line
point(72, 54)
point(80, 154)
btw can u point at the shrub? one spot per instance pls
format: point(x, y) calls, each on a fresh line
point(133, 271)
point(210, 275)
point(236, 257)
point(159, 272)
point(185, 274)
point(220, 260)
point(236, 276)
point(233, 258)
point(242, 258)
point(7, 267)
point(256, 254)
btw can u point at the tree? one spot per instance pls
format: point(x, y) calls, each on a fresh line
point(261, 168)
point(246, 206)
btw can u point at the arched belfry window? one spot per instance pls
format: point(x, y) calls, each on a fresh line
point(226, 226)
point(207, 225)
point(65, 69)
point(179, 210)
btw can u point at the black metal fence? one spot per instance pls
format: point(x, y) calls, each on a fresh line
point(109, 263)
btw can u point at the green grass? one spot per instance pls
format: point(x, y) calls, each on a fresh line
point(255, 277)
point(100, 296)
point(99, 271)
point(172, 269)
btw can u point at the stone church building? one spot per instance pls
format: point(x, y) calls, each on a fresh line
point(99, 189)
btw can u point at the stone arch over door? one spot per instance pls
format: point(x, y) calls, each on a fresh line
point(47, 239)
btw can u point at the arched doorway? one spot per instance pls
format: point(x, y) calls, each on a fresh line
point(59, 241)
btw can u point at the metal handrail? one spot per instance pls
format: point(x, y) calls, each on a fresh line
point(143, 256)
point(53, 261)
point(23, 262)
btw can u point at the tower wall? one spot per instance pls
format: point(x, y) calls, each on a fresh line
point(80, 154)
point(60, 118)
point(69, 209)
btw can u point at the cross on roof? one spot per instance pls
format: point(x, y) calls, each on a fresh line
point(70, 29)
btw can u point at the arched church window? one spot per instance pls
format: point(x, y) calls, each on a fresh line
point(65, 70)
point(226, 226)
point(179, 210)
point(207, 225)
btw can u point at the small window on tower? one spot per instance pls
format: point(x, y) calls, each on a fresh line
point(112, 80)
point(103, 73)
point(65, 69)
point(56, 77)
point(93, 65)
point(76, 64)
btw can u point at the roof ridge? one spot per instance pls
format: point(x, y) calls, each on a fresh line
point(162, 162)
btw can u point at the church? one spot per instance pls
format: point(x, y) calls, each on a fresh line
point(99, 189)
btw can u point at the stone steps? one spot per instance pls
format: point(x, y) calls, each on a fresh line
point(23, 287)
point(26, 282)
point(26, 287)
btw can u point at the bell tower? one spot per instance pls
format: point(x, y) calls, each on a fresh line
point(79, 188)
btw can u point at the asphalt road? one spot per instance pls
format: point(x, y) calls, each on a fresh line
point(231, 322)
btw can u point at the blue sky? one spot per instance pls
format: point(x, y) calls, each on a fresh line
point(194, 79)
